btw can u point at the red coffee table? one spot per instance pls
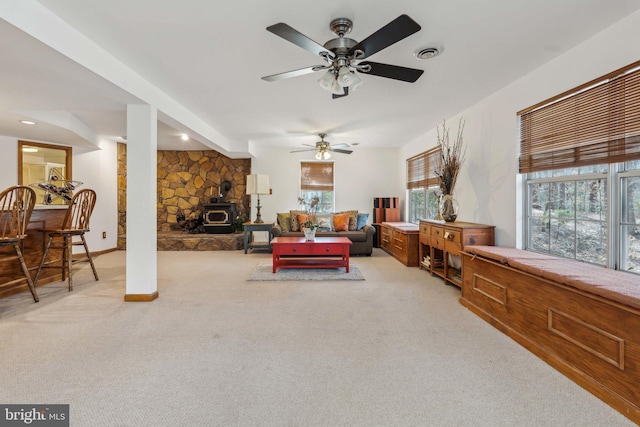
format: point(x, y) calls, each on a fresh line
point(323, 252)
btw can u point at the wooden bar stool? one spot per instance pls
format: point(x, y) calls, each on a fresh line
point(16, 206)
point(75, 223)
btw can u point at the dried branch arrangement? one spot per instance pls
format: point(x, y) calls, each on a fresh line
point(453, 154)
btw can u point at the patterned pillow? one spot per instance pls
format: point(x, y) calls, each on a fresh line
point(295, 225)
point(353, 219)
point(284, 219)
point(341, 222)
point(362, 221)
point(325, 221)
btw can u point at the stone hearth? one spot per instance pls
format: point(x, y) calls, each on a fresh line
point(181, 241)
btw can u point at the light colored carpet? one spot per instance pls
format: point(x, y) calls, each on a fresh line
point(396, 349)
point(264, 273)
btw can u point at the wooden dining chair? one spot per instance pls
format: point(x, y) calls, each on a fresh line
point(16, 206)
point(75, 224)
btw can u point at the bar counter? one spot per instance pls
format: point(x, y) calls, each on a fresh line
point(12, 280)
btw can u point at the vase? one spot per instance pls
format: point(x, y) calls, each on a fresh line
point(309, 233)
point(448, 207)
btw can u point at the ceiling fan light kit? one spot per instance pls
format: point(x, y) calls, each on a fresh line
point(343, 55)
point(323, 155)
point(324, 149)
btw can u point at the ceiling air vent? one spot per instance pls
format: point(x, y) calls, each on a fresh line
point(428, 52)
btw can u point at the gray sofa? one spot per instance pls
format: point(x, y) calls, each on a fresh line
point(362, 240)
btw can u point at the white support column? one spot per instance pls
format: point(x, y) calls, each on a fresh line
point(142, 257)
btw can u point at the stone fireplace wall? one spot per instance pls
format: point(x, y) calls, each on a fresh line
point(186, 180)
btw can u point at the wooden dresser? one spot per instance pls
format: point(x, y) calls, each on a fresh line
point(440, 239)
point(400, 239)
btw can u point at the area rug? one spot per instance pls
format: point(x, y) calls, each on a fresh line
point(262, 273)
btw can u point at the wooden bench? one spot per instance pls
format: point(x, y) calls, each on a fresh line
point(582, 319)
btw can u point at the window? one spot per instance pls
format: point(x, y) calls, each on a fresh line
point(580, 152)
point(630, 217)
point(423, 186)
point(316, 180)
point(568, 212)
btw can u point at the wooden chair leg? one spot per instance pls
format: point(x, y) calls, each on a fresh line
point(25, 270)
point(68, 240)
point(64, 258)
point(42, 262)
point(86, 250)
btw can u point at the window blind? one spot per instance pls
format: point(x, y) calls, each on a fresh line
point(421, 169)
point(316, 176)
point(596, 123)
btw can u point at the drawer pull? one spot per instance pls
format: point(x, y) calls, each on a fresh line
point(326, 249)
point(294, 249)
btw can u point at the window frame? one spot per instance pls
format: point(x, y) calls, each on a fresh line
point(308, 193)
point(421, 177)
point(529, 181)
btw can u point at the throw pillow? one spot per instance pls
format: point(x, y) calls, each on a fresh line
point(353, 219)
point(341, 222)
point(325, 221)
point(362, 221)
point(295, 225)
point(302, 218)
point(284, 219)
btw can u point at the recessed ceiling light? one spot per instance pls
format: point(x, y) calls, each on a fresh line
point(184, 137)
point(28, 122)
point(428, 52)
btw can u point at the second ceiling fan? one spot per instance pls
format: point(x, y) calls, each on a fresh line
point(343, 55)
point(324, 148)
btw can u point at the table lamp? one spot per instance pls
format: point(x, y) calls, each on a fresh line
point(258, 184)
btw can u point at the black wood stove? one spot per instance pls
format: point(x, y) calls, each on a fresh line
point(218, 217)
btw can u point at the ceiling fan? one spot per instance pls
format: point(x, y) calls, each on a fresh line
point(324, 148)
point(343, 55)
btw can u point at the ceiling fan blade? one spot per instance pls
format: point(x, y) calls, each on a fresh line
point(300, 151)
point(393, 32)
point(293, 73)
point(294, 36)
point(342, 151)
point(343, 145)
point(346, 93)
point(393, 71)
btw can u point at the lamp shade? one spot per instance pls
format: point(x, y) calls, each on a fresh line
point(258, 184)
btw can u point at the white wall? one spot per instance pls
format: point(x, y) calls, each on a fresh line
point(488, 187)
point(359, 178)
point(96, 169)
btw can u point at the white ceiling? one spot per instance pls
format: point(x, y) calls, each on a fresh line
point(209, 56)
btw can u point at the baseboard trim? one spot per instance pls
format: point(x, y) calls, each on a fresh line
point(106, 251)
point(141, 297)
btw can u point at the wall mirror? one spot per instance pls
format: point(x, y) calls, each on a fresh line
point(47, 169)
